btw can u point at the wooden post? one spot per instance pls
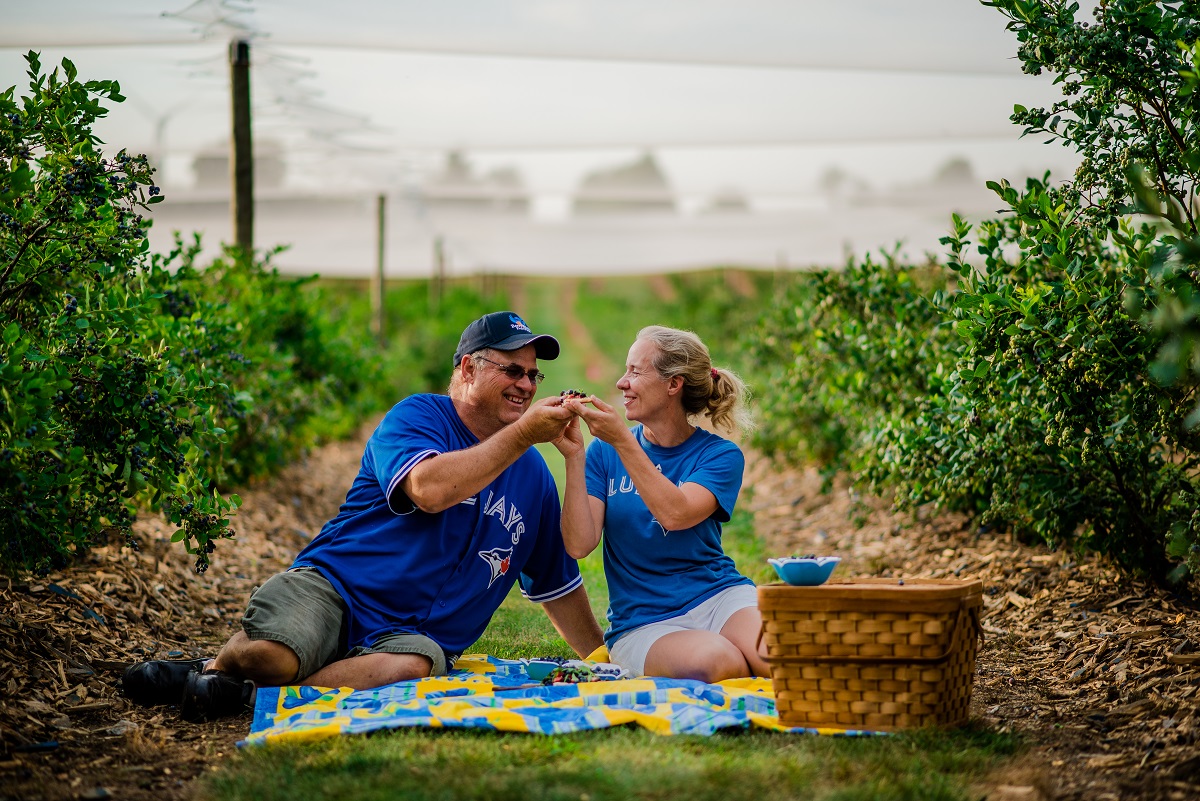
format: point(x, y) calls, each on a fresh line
point(437, 285)
point(241, 157)
point(377, 284)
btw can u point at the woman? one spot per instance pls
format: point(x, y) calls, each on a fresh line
point(658, 493)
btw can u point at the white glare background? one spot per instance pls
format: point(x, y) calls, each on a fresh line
point(842, 127)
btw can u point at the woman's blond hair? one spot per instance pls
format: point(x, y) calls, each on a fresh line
point(717, 393)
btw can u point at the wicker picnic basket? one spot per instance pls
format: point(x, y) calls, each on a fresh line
point(872, 654)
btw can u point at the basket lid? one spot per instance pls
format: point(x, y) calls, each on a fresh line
point(873, 592)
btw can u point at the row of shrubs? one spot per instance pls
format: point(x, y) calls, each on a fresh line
point(132, 381)
point(1044, 375)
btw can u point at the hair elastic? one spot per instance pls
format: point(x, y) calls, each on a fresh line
point(714, 374)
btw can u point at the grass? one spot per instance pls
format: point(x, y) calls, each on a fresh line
point(428, 765)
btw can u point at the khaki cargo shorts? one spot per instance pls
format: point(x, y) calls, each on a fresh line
point(302, 610)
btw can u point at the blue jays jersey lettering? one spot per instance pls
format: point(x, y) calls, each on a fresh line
point(443, 575)
point(654, 574)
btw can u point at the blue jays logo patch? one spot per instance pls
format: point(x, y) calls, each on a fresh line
point(498, 560)
point(517, 323)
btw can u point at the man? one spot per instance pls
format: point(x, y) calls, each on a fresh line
point(450, 504)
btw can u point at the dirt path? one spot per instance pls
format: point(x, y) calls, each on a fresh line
point(1100, 673)
point(599, 368)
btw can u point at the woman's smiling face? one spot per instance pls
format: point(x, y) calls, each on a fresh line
point(643, 390)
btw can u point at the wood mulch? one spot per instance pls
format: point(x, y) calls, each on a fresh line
point(1099, 674)
point(65, 730)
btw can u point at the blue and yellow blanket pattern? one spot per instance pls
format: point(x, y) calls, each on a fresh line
point(484, 692)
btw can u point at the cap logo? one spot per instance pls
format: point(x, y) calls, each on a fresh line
point(517, 323)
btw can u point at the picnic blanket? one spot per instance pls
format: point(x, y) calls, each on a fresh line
point(484, 692)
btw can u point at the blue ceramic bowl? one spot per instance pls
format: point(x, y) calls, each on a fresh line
point(804, 572)
point(539, 669)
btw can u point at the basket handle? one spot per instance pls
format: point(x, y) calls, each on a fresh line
point(976, 626)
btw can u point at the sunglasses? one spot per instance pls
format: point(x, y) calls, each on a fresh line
point(516, 372)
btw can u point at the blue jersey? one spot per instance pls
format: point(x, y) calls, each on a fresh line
point(402, 570)
point(654, 574)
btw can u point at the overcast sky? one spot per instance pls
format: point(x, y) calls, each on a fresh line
point(761, 95)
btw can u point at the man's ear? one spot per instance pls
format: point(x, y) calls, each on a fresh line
point(466, 369)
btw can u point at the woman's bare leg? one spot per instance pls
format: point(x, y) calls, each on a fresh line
point(742, 629)
point(701, 655)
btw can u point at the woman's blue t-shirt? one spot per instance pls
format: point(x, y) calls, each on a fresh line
point(654, 574)
point(402, 570)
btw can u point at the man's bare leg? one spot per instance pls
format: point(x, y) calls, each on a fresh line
point(371, 670)
point(272, 664)
point(264, 662)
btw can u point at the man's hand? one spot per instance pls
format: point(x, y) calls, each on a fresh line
point(571, 442)
point(544, 421)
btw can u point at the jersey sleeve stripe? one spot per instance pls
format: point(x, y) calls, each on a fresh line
point(404, 470)
point(554, 595)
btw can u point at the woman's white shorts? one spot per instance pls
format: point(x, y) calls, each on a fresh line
point(631, 649)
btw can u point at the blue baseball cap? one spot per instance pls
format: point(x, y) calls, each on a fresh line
point(503, 330)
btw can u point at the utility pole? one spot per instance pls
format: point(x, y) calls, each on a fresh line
point(377, 307)
point(241, 157)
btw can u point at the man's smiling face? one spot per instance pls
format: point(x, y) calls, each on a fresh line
point(494, 395)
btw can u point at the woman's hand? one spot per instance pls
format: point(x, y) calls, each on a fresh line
point(603, 421)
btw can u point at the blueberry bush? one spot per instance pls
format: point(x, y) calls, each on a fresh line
point(91, 413)
point(858, 347)
point(1050, 412)
point(1051, 385)
point(284, 372)
point(133, 381)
